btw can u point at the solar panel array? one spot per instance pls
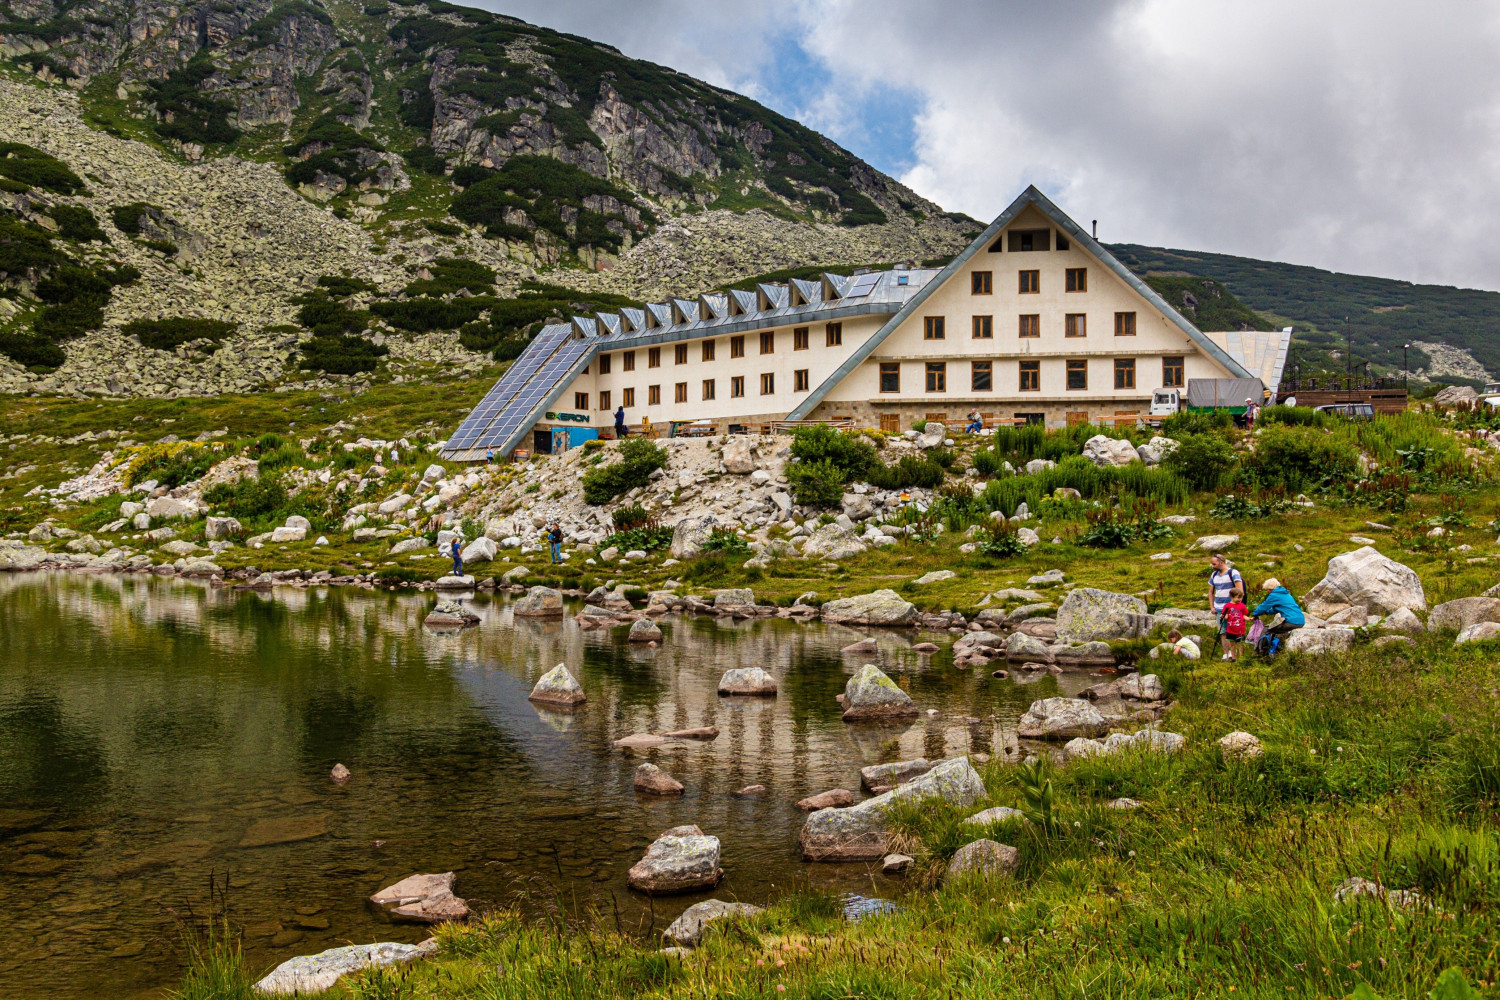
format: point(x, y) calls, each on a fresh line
point(476, 430)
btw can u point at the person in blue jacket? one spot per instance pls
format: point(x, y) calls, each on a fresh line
point(1279, 602)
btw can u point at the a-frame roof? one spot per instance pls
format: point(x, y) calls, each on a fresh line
point(1031, 196)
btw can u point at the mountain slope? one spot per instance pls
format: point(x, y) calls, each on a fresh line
point(1383, 313)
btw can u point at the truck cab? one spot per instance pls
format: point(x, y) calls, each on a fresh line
point(1164, 403)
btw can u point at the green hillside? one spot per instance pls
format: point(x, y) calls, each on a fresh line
point(1382, 313)
point(1207, 303)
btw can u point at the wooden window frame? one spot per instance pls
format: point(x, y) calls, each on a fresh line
point(1076, 325)
point(1029, 326)
point(1029, 282)
point(627, 361)
point(653, 357)
point(801, 380)
point(1124, 373)
point(581, 401)
point(1173, 367)
point(768, 342)
point(982, 283)
point(627, 398)
point(604, 400)
point(679, 392)
point(981, 371)
point(1076, 279)
point(834, 335)
point(1074, 366)
point(653, 395)
point(1124, 324)
point(768, 383)
point(890, 423)
point(737, 346)
point(679, 354)
point(934, 328)
point(799, 338)
point(892, 369)
point(708, 349)
point(984, 328)
point(1029, 372)
point(937, 376)
point(709, 389)
point(604, 363)
point(737, 387)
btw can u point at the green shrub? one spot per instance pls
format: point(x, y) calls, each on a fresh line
point(726, 541)
point(911, 471)
point(542, 187)
point(30, 351)
point(1290, 457)
point(189, 114)
point(815, 484)
point(1291, 416)
point(638, 459)
point(449, 274)
point(1204, 460)
point(249, 498)
point(34, 168)
point(1196, 422)
point(78, 224)
point(164, 247)
point(172, 468)
point(851, 454)
point(165, 334)
point(647, 539)
point(127, 218)
point(1004, 541)
point(341, 355)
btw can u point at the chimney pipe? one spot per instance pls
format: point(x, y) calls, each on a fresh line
point(1096, 229)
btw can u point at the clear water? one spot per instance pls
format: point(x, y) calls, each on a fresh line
point(147, 725)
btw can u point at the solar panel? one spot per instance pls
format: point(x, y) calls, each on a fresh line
point(504, 393)
point(546, 370)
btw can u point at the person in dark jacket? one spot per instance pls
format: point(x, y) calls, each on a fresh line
point(458, 559)
point(620, 429)
point(555, 537)
point(1279, 601)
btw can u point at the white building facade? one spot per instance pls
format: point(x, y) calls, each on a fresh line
point(1034, 321)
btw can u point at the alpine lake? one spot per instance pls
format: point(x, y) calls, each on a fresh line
point(158, 735)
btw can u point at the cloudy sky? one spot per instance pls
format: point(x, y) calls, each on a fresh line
point(1357, 136)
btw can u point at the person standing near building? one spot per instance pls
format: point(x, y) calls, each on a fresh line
point(620, 429)
point(1252, 411)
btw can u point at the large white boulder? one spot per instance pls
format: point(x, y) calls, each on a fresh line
point(881, 607)
point(860, 832)
point(1367, 579)
point(481, 549)
point(1455, 616)
point(738, 455)
point(1320, 641)
point(1158, 448)
point(689, 534)
point(1088, 614)
point(307, 974)
point(1102, 451)
point(170, 508)
point(1061, 719)
point(933, 435)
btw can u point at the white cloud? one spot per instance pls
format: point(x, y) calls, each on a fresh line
point(1360, 136)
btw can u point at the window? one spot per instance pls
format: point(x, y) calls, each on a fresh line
point(1031, 418)
point(1171, 373)
point(1029, 239)
point(604, 400)
point(653, 358)
point(981, 376)
point(890, 376)
point(1031, 376)
point(580, 401)
point(890, 423)
point(737, 347)
point(1075, 325)
point(937, 376)
point(768, 384)
point(1062, 242)
point(679, 394)
point(708, 388)
point(1077, 279)
point(629, 399)
point(982, 282)
point(800, 380)
point(604, 360)
point(628, 361)
point(835, 334)
point(708, 349)
point(1031, 325)
point(1030, 282)
point(653, 395)
point(1078, 374)
point(1124, 373)
point(933, 328)
point(737, 386)
point(768, 343)
point(984, 327)
point(1124, 324)
point(680, 354)
point(799, 339)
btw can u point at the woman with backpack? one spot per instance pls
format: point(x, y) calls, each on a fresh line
point(1285, 616)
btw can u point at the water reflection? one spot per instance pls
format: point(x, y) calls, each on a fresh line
point(150, 730)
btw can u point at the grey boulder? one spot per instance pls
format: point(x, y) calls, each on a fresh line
point(747, 680)
point(539, 602)
point(557, 687)
point(1455, 616)
point(687, 930)
point(1367, 579)
point(689, 534)
point(1061, 719)
point(833, 541)
point(882, 607)
point(870, 694)
point(315, 973)
point(879, 778)
point(644, 630)
point(861, 832)
point(422, 899)
point(985, 858)
point(683, 859)
point(1088, 615)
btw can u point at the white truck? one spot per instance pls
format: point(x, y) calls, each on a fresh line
point(1164, 403)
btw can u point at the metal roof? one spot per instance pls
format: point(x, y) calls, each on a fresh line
point(1261, 352)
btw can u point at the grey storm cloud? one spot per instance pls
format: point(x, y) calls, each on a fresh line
point(1362, 137)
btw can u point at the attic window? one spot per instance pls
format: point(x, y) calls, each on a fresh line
point(1027, 240)
point(1062, 242)
point(901, 279)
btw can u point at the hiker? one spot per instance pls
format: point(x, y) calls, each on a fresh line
point(1236, 624)
point(458, 559)
point(1224, 585)
point(620, 429)
point(555, 537)
point(395, 456)
point(976, 423)
point(1284, 611)
point(489, 456)
point(1251, 412)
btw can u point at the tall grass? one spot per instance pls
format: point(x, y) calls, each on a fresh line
point(1091, 481)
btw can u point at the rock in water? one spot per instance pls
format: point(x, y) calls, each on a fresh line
point(1061, 719)
point(339, 774)
point(681, 860)
point(558, 688)
point(421, 899)
point(860, 832)
point(1365, 578)
point(834, 798)
point(652, 780)
point(747, 680)
point(879, 778)
point(1089, 615)
point(696, 733)
point(895, 864)
point(539, 602)
point(734, 598)
point(315, 973)
point(644, 630)
point(883, 607)
point(983, 857)
point(450, 614)
point(1023, 648)
point(287, 830)
point(870, 694)
point(687, 930)
point(862, 646)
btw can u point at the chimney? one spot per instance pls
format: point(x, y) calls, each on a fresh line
point(1096, 229)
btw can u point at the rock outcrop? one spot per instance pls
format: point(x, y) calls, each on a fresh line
point(860, 832)
point(422, 899)
point(1365, 578)
point(882, 607)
